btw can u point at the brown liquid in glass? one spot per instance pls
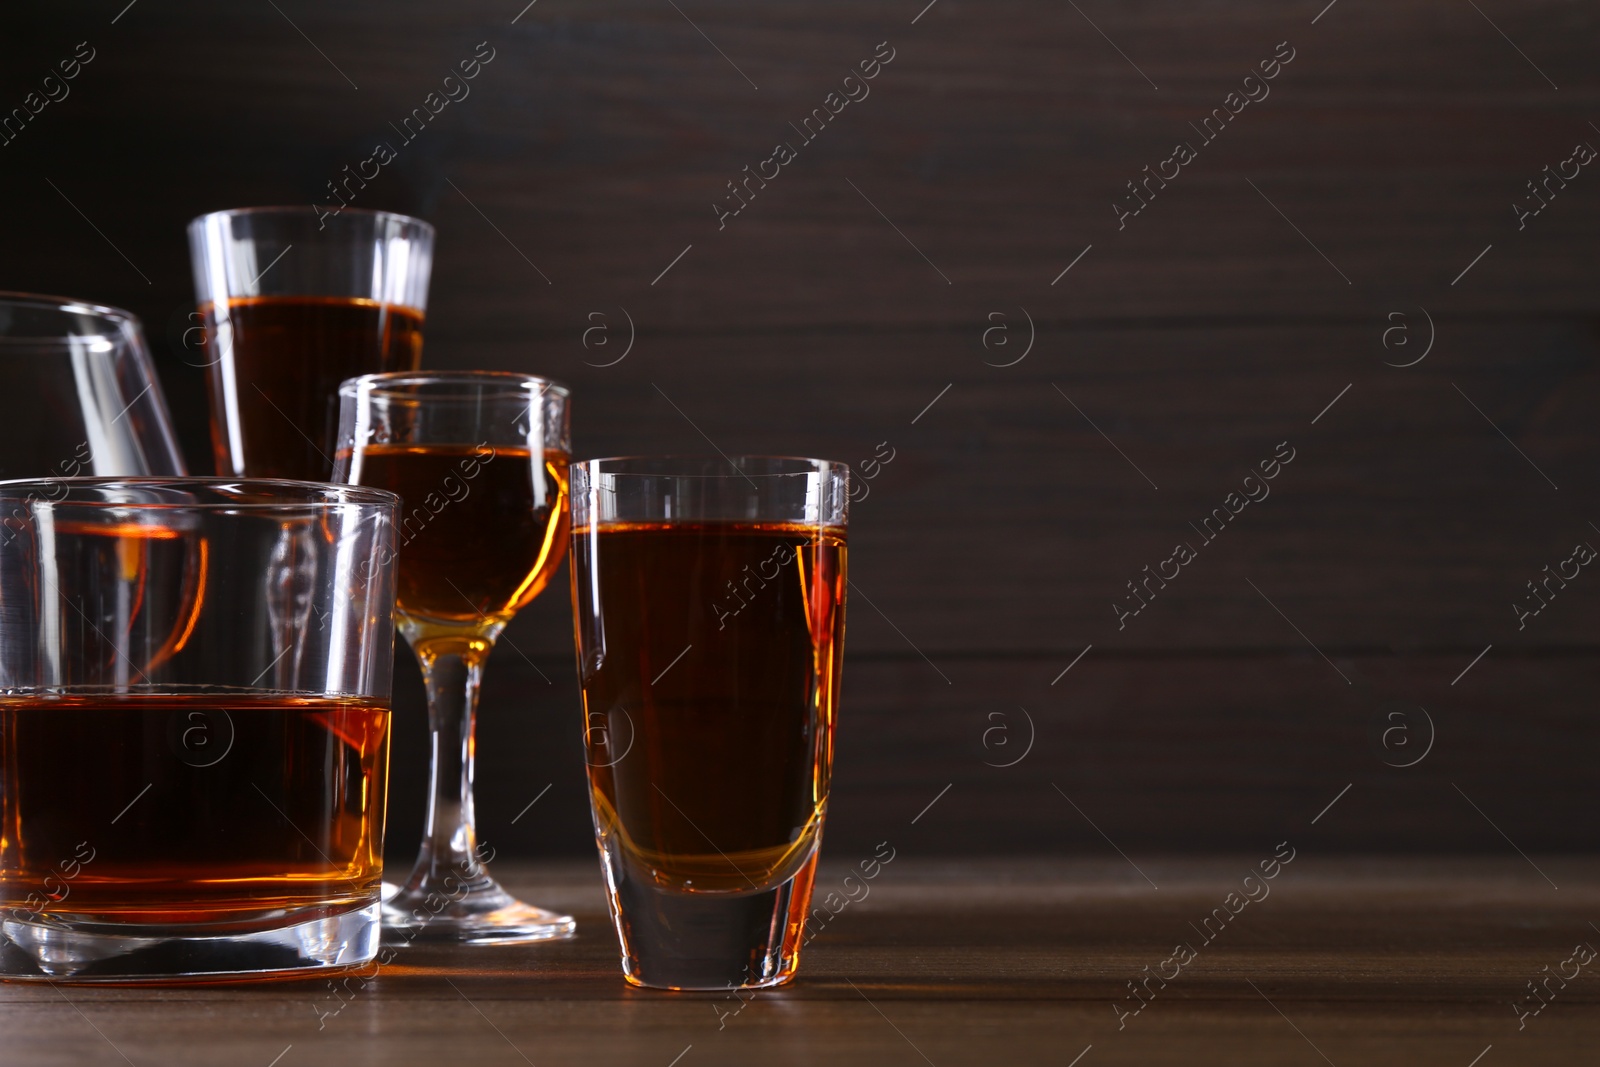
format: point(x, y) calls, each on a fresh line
point(287, 356)
point(481, 529)
point(710, 684)
point(189, 809)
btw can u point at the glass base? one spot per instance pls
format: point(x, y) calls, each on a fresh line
point(672, 939)
point(104, 952)
point(484, 915)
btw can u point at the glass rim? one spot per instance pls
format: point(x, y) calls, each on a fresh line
point(288, 209)
point(804, 465)
point(156, 690)
point(289, 493)
point(65, 305)
point(371, 384)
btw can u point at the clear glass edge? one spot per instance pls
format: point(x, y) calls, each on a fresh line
point(288, 209)
point(67, 305)
point(311, 494)
point(813, 466)
point(352, 387)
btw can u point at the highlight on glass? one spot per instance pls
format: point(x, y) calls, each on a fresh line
point(86, 400)
point(194, 712)
point(292, 305)
point(709, 601)
point(479, 459)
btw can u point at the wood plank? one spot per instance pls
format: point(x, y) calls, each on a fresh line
point(1406, 521)
point(1016, 509)
point(1392, 962)
point(996, 141)
point(1159, 754)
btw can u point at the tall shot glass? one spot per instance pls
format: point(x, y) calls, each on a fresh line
point(709, 607)
point(295, 302)
point(194, 712)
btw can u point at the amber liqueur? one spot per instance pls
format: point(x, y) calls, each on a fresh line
point(480, 531)
point(285, 357)
point(710, 681)
point(160, 811)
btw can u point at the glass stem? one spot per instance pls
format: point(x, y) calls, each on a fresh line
point(449, 845)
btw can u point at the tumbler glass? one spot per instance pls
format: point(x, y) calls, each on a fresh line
point(83, 394)
point(294, 302)
point(194, 711)
point(708, 597)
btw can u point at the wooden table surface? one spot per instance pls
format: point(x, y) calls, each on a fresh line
point(1346, 961)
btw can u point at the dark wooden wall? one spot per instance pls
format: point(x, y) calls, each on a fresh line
point(1253, 290)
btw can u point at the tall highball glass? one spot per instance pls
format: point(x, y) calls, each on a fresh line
point(709, 605)
point(194, 713)
point(479, 460)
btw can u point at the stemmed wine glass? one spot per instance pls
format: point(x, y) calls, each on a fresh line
point(479, 459)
